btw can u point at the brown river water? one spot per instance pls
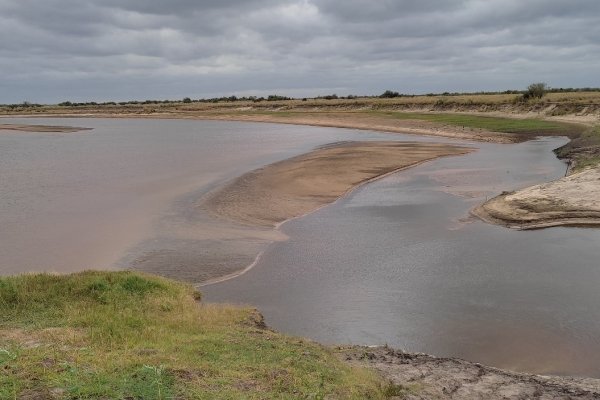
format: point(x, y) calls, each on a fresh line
point(399, 261)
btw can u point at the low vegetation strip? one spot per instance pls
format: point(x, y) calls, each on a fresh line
point(583, 151)
point(525, 127)
point(124, 335)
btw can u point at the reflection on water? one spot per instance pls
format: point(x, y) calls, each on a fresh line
point(400, 262)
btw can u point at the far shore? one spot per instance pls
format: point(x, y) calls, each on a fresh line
point(348, 120)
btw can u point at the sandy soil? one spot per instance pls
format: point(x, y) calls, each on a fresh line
point(41, 128)
point(421, 376)
point(291, 188)
point(573, 200)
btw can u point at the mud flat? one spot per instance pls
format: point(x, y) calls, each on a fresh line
point(571, 201)
point(41, 128)
point(271, 195)
point(417, 376)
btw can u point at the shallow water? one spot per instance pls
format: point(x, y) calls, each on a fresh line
point(400, 262)
point(127, 189)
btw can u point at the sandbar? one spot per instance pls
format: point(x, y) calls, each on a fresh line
point(273, 194)
point(42, 128)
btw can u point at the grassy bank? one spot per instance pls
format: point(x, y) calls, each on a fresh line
point(495, 124)
point(126, 335)
point(525, 127)
point(583, 150)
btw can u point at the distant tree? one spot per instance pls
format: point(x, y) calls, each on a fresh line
point(389, 94)
point(536, 90)
point(275, 97)
point(187, 100)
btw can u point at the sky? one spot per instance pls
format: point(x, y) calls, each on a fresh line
point(102, 50)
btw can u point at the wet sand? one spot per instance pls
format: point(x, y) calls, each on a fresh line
point(42, 128)
point(571, 201)
point(271, 195)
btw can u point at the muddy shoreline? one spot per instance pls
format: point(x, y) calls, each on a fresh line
point(418, 376)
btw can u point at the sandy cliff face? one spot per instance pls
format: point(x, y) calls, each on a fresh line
point(572, 200)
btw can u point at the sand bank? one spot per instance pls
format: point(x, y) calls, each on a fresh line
point(41, 128)
point(571, 201)
point(271, 195)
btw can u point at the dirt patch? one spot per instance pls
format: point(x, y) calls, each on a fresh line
point(420, 376)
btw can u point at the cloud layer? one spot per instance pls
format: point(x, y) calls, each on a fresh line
point(55, 50)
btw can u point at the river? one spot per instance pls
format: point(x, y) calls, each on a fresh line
point(398, 261)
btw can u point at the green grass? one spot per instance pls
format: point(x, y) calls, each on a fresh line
point(122, 335)
point(495, 124)
point(527, 127)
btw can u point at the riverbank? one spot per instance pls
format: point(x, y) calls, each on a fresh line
point(487, 118)
point(417, 376)
point(130, 335)
point(571, 201)
point(119, 335)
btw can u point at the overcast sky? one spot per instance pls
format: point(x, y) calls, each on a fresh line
point(79, 50)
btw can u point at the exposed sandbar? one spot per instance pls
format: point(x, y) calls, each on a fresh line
point(570, 201)
point(42, 128)
point(291, 188)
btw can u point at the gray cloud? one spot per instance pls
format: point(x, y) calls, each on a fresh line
point(124, 49)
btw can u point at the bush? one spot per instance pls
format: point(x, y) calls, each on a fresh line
point(536, 90)
point(388, 94)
